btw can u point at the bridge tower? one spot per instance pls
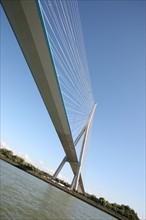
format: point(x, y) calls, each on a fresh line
point(85, 134)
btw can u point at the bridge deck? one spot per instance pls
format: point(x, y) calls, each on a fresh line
point(29, 30)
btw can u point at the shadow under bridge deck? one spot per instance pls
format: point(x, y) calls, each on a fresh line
point(27, 24)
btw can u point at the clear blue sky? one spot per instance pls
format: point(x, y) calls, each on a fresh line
point(114, 37)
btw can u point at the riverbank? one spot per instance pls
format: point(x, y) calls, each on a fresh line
point(65, 189)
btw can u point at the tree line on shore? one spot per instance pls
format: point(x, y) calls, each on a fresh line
point(123, 210)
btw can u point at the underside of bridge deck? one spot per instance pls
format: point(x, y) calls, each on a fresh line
point(27, 24)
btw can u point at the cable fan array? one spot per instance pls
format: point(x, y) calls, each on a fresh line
point(63, 28)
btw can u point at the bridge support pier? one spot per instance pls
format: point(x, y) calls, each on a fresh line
point(59, 168)
point(75, 182)
point(85, 131)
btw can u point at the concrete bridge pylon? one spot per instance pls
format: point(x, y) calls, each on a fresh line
point(85, 134)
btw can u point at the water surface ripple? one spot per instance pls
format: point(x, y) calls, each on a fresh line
point(24, 197)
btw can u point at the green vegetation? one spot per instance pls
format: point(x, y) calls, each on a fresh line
point(21, 162)
point(123, 210)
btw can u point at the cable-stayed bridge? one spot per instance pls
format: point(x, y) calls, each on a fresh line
point(50, 36)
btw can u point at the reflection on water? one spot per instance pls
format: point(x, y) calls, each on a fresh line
point(25, 197)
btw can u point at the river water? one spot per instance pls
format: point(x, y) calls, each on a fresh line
point(25, 197)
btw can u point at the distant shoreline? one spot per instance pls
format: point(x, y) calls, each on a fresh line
point(63, 188)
